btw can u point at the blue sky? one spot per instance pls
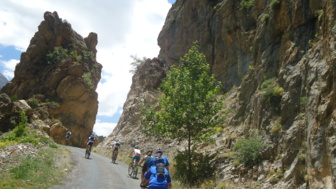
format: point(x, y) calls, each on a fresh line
point(124, 28)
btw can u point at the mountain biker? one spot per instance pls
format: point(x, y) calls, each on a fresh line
point(67, 135)
point(145, 159)
point(90, 141)
point(115, 147)
point(155, 180)
point(136, 156)
point(159, 152)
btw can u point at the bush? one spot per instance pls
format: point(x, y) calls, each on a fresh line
point(267, 83)
point(248, 150)
point(88, 54)
point(20, 133)
point(265, 18)
point(87, 80)
point(202, 170)
point(275, 5)
point(33, 102)
point(57, 55)
point(272, 91)
point(246, 4)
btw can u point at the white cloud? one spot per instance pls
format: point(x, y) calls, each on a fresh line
point(103, 128)
point(9, 67)
point(124, 28)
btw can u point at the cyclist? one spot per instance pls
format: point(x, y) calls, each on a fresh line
point(157, 177)
point(136, 156)
point(145, 159)
point(67, 135)
point(90, 142)
point(159, 153)
point(115, 147)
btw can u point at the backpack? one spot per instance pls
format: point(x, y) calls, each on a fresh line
point(160, 170)
point(147, 159)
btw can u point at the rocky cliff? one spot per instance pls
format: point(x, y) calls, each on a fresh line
point(276, 59)
point(57, 76)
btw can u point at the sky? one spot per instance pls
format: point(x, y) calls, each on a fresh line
point(125, 28)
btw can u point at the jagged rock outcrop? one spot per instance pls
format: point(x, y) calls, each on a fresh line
point(289, 44)
point(59, 70)
point(3, 80)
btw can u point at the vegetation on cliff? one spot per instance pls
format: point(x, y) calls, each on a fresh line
point(189, 109)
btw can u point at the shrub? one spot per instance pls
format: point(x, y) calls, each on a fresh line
point(267, 83)
point(248, 150)
point(276, 127)
point(57, 55)
point(202, 169)
point(272, 91)
point(275, 5)
point(20, 130)
point(33, 102)
point(137, 63)
point(87, 80)
point(14, 98)
point(246, 4)
point(88, 54)
point(74, 55)
point(265, 18)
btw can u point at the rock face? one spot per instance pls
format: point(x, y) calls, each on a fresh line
point(290, 44)
point(3, 80)
point(59, 70)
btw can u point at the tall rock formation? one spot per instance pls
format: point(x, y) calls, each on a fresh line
point(60, 71)
point(276, 60)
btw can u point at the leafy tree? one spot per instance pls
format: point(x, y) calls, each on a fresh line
point(189, 106)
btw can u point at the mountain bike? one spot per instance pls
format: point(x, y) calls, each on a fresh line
point(114, 157)
point(133, 169)
point(88, 151)
point(67, 141)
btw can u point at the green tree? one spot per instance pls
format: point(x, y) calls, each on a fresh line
point(189, 106)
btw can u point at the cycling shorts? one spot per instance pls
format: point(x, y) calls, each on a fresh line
point(90, 143)
point(145, 167)
point(137, 158)
point(115, 148)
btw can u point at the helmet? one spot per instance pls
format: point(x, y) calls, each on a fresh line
point(92, 135)
point(136, 147)
point(159, 150)
point(117, 140)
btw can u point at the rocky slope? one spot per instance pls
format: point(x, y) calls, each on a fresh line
point(3, 80)
point(57, 76)
point(289, 44)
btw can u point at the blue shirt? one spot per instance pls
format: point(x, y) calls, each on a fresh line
point(156, 182)
point(165, 161)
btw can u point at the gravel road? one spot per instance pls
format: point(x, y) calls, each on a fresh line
point(97, 172)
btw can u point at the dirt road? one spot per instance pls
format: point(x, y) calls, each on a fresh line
point(97, 172)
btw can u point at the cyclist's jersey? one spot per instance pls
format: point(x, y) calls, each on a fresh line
point(91, 140)
point(137, 152)
point(68, 134)
point(165, 161)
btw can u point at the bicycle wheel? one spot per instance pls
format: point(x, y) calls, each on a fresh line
point(114, 158)
point(130, 169)
point(135, 171)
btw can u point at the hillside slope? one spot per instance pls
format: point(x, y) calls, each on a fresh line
point(276, 60)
